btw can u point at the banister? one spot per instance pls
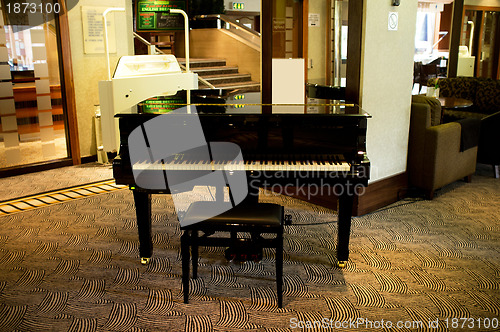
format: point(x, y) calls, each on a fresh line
point(226, 19)
point(157, 50)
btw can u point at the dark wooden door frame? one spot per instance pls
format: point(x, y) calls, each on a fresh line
point(67, 83)
point(354, 40)
point(267, 53)
point(456, 28)
point(478, 41)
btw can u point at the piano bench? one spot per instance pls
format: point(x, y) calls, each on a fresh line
point(256, 219)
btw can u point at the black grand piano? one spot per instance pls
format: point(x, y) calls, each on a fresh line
point(293, 147)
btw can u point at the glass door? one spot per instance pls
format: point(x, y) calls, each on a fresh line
point(33, 126)
point(490, 45)
point(287, 29)
point(481, 35)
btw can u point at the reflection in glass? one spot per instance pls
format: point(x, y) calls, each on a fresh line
point(31, 108)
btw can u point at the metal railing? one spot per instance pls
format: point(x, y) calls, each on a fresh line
point(152, 49)
point(225, 22)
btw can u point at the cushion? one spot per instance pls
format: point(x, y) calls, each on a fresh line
point(433, 103)
point(488, 96)
point(260, 214)
point(460, 87)
point(453, 115)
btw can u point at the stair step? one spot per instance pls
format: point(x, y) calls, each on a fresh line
point(239, 85)
point(219, 70)
point(200, 63)
point(229, 78)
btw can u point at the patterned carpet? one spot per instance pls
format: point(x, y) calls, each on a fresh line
point(34, 183)
point(414, 266)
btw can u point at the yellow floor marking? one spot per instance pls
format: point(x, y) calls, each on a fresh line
point(57, 196)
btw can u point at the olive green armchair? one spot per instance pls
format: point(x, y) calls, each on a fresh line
point(434, 156)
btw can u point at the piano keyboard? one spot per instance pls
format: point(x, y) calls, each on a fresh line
point(276, 166)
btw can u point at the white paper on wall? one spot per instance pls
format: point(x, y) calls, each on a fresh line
point(93, 30)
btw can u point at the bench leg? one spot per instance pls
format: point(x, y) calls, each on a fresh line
point(279, 269)
point(185, 264)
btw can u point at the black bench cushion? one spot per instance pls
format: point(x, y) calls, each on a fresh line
point(261, 214)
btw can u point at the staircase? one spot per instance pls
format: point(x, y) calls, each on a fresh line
point(217, 73)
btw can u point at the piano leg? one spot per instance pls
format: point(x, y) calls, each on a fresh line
point(142, 202)
point(344, 228)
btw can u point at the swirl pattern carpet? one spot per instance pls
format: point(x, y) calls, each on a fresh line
point(414, 266)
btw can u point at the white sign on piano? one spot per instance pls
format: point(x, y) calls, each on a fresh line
point(288, 85)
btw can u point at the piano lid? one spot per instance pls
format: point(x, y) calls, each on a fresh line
point(240, 102)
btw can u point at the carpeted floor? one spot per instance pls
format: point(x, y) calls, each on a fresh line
point(425, 265)
point(34, 183)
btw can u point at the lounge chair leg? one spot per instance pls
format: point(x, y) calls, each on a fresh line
point(279, 269)
point(496, 171)
point(468, 178)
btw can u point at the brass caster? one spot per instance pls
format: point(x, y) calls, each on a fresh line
point(145, 260)
point(341, 264)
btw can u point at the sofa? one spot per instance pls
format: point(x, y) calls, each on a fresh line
point(485, 95)
point(434, 156)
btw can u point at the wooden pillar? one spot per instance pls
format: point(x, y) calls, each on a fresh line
point(67, 84)
point(355, 24)
point(456, 28)
point(267, 53)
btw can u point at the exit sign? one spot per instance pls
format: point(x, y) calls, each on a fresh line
point(238, 5)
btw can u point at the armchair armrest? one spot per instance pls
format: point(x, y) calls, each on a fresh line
point(444, 140)
point(434, 157)
point(445, 163)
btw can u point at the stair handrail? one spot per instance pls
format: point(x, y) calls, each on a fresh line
point(228, 20)
point(152, 49)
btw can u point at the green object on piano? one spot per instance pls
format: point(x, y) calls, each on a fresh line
point(160, 105)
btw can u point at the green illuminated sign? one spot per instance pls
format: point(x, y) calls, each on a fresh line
point(152, 15)
point(238, 5)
